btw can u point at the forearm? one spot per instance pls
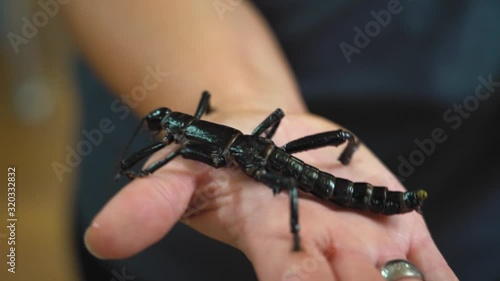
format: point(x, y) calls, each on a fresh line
point(236, 59)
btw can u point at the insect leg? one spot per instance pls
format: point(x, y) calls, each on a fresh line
point(153, 167)
point(334, 138)
point(294, 216)
point(130, 161)
point(276, 182)
point(270, 124)
point(201, 153)
point(203, 106)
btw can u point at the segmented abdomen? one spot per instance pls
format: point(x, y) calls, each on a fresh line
point(357, 195)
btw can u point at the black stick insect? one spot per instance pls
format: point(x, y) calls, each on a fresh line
point(257, 155)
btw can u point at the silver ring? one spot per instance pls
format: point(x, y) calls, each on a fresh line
point(397, 269)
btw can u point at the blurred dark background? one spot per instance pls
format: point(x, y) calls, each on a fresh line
point(406, 82)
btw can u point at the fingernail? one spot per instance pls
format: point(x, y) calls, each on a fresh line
point(87, 245)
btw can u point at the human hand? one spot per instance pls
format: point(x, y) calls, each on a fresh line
point(337, 243)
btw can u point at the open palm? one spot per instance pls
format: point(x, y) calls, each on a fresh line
point(225, 204)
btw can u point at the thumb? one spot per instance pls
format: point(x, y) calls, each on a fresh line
point(140, 214)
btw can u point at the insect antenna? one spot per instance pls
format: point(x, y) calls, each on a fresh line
point(125, 151)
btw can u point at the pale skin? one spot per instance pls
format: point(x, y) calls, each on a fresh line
point(239, 61)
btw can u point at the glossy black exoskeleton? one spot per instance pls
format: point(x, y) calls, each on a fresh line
point(257, 156)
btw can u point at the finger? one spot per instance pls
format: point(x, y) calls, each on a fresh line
point(275, 260)
point(353, 266)
point(426, 256)
point(140, 214)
